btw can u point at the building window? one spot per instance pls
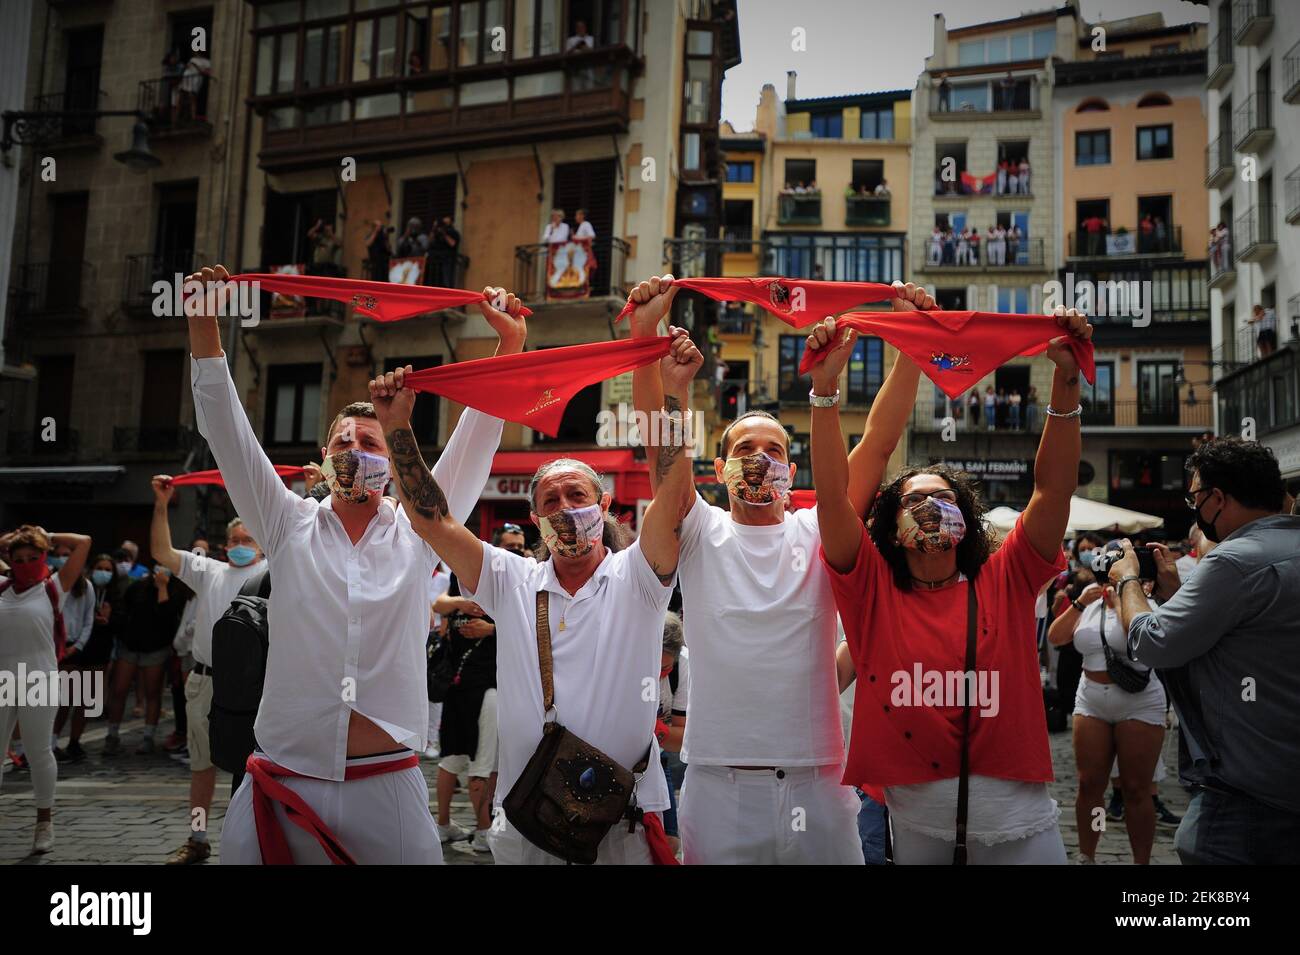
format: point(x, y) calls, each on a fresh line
point(789, 386)
point(867, 174)
point(1092, 148)
point(1154, 99)
point(1093, 106)
point(424, 417)
point(877, 123)
point(1008, 48)
point(740, 172)
point(866, 370)
point(800, 172)
point(1098, 398)
point(1163, 49)
point(827, 125)
point(1158, 392)
point(836, 257)
point(293, 404)
point(1013, 300)
point(691, 151)
point(699, 91)
point(1155, 142)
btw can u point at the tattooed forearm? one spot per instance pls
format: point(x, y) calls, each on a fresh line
point(665, 460)
point(664, 578)
point(419, 490)
point(672, 403)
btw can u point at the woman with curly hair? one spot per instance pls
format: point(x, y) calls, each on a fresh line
point(948, 719)
point(31, 640)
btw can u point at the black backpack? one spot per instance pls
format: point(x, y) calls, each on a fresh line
point(240, 639)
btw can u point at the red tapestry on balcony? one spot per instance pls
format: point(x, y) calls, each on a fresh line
point(797, 302)
point(285, 305)
point(957, 349)
point(569, 266)
point(978, 185)
point(286, 471)
point(406, 271)
point(533, 388)
point(382, 301)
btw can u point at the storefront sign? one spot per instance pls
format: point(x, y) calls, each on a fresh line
point(1287, 449)
point(995, 470)
point(514, 487)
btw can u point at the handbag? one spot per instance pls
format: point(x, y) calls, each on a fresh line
point(963, 781)
point(570, 794)
point(1123, 675)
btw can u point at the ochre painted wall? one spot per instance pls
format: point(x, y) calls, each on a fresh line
point(502, 198)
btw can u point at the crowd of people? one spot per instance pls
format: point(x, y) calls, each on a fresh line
point(1003, 409)
point(1001, 245)
point(1220, 247)
point(568, 695)
point(438, 245)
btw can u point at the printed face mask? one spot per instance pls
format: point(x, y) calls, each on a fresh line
point(355, 475)
point(573, 531)
point(931, 526)
point(756, 478)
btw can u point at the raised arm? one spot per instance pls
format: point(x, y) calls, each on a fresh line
point(259, 495)
point(160, 531)
point(837, 518)
point(1061, 631)
point(654, 299)
point(661, 529)
point(1056, 467)
point(76, 561)
point(889, 414)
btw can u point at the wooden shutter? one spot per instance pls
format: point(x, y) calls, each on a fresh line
point(428, 199)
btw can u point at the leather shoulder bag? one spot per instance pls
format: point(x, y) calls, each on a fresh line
point(1126, 678)
point(570, 794)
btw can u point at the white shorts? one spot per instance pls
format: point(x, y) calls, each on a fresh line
point(380, 820)
point(1108, 703)
point(796, 816)
point(619, 847)
point(484, 763)
point(1041, 848)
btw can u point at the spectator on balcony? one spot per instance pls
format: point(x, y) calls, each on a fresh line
point(882, 190)
point(442, 251)
point(1161, 235)
point(1003, 408)
point(414, 63)
point(584, 230)
point(1008, 87)
point(963, 247)
point(581, 39)
point(1146, 233)
point(850, 192)
point(412, 241)
point(324, 248)
point(557, 230)
point(819, 272)
point(974, 246)
point(813, 188)
point(1221, 245)
point(194, 83)
point(1006, 181)
point(1265, 322)
point(1024, 175)
point(378, 251)
point(973, 406)
point(945, 93)
point(998, 245)
point(1014, 235)
point(990, 408)
point(1013, 409)
point(949, 247)
point(1031, 409)
point(169, 102)
point(936, 246)
point(1094, 228)
point(800, 189)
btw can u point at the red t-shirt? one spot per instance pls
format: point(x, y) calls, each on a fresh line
point(891, 631)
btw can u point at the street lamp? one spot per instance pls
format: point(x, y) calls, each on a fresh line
point(38, 128)
point(139, 158)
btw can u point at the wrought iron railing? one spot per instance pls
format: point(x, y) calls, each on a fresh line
point(541, 275)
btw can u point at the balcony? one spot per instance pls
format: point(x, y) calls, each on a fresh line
point(1252, 20)
point(866, 210)
point(949, 256)
point(986, 99)
point(1223, 271)
point(1266, 391)
point(54, 290)
point(1219, 63)
point(1218, 163)
point(803, 209)
point(543, 278)
point(1252, 124)
point(1291, 74)
point(81, 92)
point(31, 445)
point(1189, 415)
point(1254, 235)
point(172, 106)
point(1125, 244)
point(699, 258)
point(932, 419)
point(144, 270)
point(153, 441)
point(1291, 193)
point(491, 104)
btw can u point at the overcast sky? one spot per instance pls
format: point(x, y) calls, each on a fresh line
point(857, 46)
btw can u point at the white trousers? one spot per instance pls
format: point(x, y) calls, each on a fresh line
point(619, 847)
point(37, 723)
point(796, 816)
point(1042, 848)
point(380, 820)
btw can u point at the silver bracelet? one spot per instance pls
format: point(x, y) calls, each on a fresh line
point(1053, 413)
point(823, 401)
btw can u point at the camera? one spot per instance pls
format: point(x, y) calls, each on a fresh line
point(1104, 558)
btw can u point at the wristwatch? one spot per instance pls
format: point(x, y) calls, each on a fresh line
point(823, 401)
point(1076, 605)
point(1119, 586)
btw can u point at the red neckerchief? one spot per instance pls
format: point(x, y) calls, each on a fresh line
point(957, 349)
point(382, 301)
point(533, 388)
point(286, 471)
point(797, 302)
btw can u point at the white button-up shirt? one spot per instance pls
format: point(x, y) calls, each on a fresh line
point(605, 661)
point(348, 623)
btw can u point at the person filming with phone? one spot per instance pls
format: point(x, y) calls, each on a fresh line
point(1227, 645)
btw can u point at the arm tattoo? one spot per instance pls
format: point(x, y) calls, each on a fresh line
point(419, 489)
point(672, 403)
point(673, 442)
point(665, 579)
point(666, 458)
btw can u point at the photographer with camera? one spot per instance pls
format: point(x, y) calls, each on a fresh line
point(1117, 713)
point(1227, 644)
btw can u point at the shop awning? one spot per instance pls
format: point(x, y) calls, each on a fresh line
point(70, 474)
point(631, 478)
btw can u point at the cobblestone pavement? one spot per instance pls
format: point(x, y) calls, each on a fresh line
point(133, 809)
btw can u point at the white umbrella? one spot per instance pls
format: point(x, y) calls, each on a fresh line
point(1002, 518)
point(1086, 515)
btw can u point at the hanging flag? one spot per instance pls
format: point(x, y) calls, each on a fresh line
point(957, 349)
point(568, 269)
point(382, 301)
point(286, 471)
point(533, 388)
point(797, 302)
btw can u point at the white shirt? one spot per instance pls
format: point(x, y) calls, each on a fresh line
point(760, 622)
point(611, 645)
point(27, 627)
point(215, 585)
point(79, 616)
point(438, 585)
point(674, 704)
point(556, 233)
point(585, 231)
point(1087, 638)
point(576, 41)
point(348, 624)
point(183, 642)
